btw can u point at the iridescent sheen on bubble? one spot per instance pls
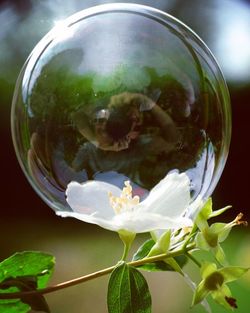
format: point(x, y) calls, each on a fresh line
point(120, 92)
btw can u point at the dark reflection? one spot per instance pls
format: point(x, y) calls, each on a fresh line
point(126, 133)
point(116, 126)
point(77, 134)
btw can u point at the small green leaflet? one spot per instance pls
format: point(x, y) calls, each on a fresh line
point(156, 266)
point(25, 271)
point(143, 250)
point(128, 291)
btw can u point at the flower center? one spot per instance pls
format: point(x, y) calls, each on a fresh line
point(126, 202)
point(214, 281)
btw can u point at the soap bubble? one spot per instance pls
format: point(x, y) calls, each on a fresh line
point(118, 92)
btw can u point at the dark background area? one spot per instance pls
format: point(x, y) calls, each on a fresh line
point(26, 223)
point(223, 25)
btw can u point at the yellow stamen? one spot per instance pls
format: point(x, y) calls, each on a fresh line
point(238, 220)
point(126, 202)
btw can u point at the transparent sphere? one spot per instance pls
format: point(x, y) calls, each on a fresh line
point(120, 92)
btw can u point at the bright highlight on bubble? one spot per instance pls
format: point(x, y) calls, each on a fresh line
point(120, 92)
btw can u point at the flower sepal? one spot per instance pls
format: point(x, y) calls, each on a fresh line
point(210, 236)
point(207, 212)
point(127, 239)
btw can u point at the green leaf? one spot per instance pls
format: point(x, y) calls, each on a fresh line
point(25, 271)
point(128, 291)
point(13, 305)
point(171, 264)
point(159, 266)
point(28, 263)
point(36, 302)
point(144, 250)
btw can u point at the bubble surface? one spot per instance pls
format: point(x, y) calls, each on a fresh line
point(120, 92)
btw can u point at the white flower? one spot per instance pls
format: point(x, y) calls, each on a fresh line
point(110, 207)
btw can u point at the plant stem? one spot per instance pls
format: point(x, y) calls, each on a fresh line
point(191, 257)
point(79, 280)
point(127, 239)
point(125, 252)
point(190, 236)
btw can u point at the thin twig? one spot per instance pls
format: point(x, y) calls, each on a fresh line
point(79, 280)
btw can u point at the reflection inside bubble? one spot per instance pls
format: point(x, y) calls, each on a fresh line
point(123, 135)
point(146, 100)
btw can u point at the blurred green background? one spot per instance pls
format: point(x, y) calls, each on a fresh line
point(26, 223)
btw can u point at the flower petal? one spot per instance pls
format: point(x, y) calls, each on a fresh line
point(141, 223)
point(170, 197)
point(221, 295)
point(91, 218)
point(129, 221)
point(118, 179)
point(232, 273)
point(91, 197)
point(163, 208)
point(207, 269)
point(195, 207)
